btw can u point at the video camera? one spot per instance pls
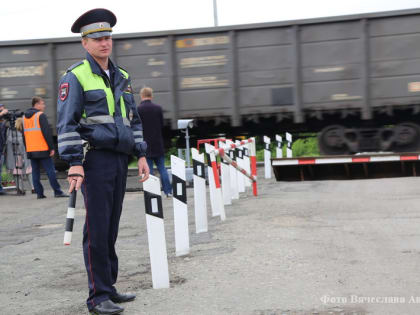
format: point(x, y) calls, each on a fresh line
point(13, 114)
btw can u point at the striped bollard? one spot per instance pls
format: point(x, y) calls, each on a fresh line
point(253, 176)
point(247, 164)
point(227, 198)
point(200, 202)
point(218, 198)
point(232, 172)
point(179, 197)
point(267, 157)
point(239, 160)
point(70, 218)
point(289, 145)
point(156, 233)
point(279, 149)
point(212, 187)
point(253, 158)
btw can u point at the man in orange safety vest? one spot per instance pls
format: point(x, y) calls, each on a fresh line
point(40, 147)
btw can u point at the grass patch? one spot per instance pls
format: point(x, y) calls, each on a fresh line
point(5, 176)
point(305, 146)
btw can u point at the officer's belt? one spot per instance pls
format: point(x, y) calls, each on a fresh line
point(104, 119)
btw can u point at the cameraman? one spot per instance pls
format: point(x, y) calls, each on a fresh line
point(3, 111)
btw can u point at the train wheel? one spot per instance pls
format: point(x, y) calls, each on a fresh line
point(406, 137)
point(331, 141)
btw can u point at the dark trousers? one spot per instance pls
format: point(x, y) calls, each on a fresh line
point(103, 190)
point(160, 164)
point(48, 165)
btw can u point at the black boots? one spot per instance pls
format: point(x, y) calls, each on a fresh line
point(121, 298)
point(107, 308)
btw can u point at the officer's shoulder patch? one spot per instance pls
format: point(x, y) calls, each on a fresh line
point(74, 66)
point(64, 91)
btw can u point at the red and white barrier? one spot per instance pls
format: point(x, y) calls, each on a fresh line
point(347, 159)
point(218, 199)
point(253, 176)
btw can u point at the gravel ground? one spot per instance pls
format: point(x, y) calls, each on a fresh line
point(325, 247)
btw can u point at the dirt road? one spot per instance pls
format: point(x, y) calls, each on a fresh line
point(330, 247)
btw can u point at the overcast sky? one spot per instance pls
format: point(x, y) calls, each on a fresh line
point(26, 19)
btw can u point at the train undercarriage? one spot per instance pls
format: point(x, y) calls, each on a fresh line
point(336, 135)
point(338, 139)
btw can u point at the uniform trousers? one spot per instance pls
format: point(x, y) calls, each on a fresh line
point(103, 190)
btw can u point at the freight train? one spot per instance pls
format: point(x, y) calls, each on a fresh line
point(355, 80)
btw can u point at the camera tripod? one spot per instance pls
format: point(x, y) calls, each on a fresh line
point(17, 156)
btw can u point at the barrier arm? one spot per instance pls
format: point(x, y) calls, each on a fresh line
point(253, 176)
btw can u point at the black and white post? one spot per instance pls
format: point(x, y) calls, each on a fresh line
point(218, 196)
point(212, 186)
point(247, 164)
point(279, 149)
point(70, 218)
point(179, 187)
point(156, 233)
point(267, 157)
point(200, 202)
point(289, 145)
point(215, 211)
point(225, 174)
point(232, 172)
point(239, 160)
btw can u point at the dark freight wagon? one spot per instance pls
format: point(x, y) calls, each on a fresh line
point(354, 79)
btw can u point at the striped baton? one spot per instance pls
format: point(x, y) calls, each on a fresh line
point(70, 217)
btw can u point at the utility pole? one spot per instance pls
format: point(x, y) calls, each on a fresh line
point(216, 23)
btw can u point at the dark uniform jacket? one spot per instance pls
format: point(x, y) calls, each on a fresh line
point(120, 134)
point(46, 132)
point(152, 117)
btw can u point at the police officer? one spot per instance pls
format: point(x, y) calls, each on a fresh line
point(96, 104)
